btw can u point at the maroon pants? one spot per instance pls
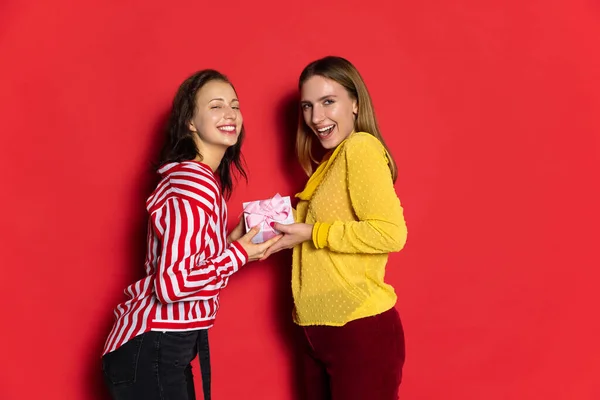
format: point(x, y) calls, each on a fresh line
point(361, 360)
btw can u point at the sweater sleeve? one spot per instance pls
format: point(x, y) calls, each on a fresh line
point(182, 272)
point(380, 226)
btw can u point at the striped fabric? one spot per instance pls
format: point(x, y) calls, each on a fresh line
point(188, 260)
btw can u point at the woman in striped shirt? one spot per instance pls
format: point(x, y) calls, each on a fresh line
point(189, 257)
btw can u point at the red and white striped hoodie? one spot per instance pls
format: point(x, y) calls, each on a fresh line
point(188, 260)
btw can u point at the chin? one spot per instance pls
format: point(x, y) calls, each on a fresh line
point(330, 144)
point(231, 141)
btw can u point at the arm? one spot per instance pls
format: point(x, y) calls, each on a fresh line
point(181, 273)
point(380, 227)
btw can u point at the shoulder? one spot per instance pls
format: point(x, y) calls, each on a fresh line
point(189, 182)
point(363, 143)
point(194, 177)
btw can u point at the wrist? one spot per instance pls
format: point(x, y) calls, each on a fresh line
point(309, 232)
point(238, 246)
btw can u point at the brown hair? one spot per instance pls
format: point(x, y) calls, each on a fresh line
point(343, 72)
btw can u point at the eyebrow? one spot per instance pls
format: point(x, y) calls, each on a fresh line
point(222, 99)
point(320, 99)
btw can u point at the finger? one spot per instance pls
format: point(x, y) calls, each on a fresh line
point(281, 227)
point(266, 255)
point(270, 251)
point(273, 249)
point(252, 232)
point(267, 244)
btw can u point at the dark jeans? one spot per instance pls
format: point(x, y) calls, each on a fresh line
point(360, 360)
point(154, 365)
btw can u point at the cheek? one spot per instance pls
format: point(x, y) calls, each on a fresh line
point(337, 115)
point(215, 116)
point(347, 117)
point(197, 122)
point(307, 117)
point(206, 122)
point(344, 119)
point(200, 119)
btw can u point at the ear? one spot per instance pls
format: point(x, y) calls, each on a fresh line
point(191, 127)
point(355, 108)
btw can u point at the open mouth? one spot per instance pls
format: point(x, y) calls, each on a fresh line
point(229, 129)
point(325, 131)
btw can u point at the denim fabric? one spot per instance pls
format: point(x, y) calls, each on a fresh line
point(156, 365)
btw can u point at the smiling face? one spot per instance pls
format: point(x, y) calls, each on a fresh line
point(217, 119)
point(328, 110)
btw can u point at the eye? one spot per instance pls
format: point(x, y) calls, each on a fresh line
point(215, 106)
point(306, 106)
point(328, 102)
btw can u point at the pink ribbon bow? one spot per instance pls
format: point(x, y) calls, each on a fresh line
point(264, 212)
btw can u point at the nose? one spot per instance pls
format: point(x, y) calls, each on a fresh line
point(230, 113)
point(317, 114)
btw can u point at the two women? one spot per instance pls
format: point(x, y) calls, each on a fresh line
point(348, 220)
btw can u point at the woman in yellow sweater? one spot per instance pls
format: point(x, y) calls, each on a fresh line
point(348, 220)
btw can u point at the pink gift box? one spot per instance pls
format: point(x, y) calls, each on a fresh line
point(264, 212)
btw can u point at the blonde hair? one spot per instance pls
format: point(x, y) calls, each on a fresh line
point(343, 72)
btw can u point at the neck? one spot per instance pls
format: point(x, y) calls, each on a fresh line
point(211, 158)
point(208, 154)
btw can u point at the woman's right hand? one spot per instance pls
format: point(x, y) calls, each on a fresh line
point(256, 251)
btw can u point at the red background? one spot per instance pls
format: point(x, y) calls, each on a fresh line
point(490, 108)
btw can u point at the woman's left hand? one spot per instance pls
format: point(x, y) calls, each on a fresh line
point(293, 234)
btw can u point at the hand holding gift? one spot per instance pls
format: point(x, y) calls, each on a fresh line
point(265, 213)
point(256, 251)
point(293, 235)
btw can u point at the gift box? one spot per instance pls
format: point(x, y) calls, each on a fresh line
point(264, 212)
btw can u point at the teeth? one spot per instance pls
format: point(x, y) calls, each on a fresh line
point(325, 129)
point(227, 128)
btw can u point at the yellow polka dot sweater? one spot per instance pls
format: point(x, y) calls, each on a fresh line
point(339, 275)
